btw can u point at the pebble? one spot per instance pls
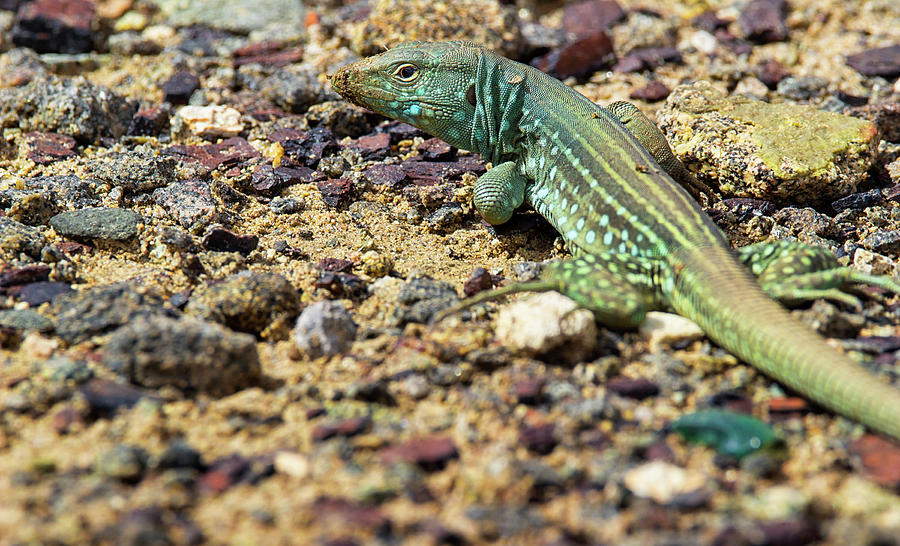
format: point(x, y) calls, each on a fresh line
point(25, 319)
point(209, 121)
point(150, 121)
point(239, 16)
point(873, 263)
point(38, 293)
point(540, 439)
point(638, 389)
point(431, 453)
point(55, 26)
point(763, 21)
point(17, 240)
point(295, 465)
point(103, 223)
point(883, 61)
point(219, 239)
point(124, 463)
point(663, 482)
point(293, 89)
point(106, 397)
point(654, 91)
point(247, 302)
point(879, 459)
point(588, 16)
point(188, 354)
point(135, 171)
point(668, 329)
point(547, 324)
point(46, 148)
point(179, 454)
point(580, 57)
point(179, 87)
point(324, 328)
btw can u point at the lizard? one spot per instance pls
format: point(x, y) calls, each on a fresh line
point(639, 240)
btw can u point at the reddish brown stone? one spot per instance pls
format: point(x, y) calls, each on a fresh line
point(55, 26)
point(67, 419)
point(654, 91)
point(226, 154)
point(879, 458)
point(179, 87)
point(270, 58)
point(429, 452)
point(38, 293)
point(374, 146)
point(219, 239)
point(788, 405)
point(24, 275)
point(540, 439)
point(353, 514)
point(638, 389)
point(269, 180)
point(46, 148)
point(771, 73)
point(579, 58)
point(884, 62)
point(645, 58)
point(149, 121)
point(435, 149)
point(347, 427)
point(337, 192)
point(72, 248)
point(763, 20)
point(335, 264)
point(478, 281)
point(530, 391)
point(105, 397)
point(587, 17)
point(659, 451)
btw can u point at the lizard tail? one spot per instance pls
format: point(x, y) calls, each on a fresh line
point(712, 289)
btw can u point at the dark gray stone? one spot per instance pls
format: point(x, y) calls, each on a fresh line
point(97, 223)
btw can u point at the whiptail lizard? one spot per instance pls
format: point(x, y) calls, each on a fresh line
point(639, 240)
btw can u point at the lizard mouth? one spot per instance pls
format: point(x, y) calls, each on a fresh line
point(350, 82)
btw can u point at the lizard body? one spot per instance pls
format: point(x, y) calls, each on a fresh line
point(639, 240)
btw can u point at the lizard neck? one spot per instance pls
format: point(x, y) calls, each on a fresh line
point(499, 98)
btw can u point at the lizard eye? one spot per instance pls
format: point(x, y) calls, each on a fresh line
point(406, 72)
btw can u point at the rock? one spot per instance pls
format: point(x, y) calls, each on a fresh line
point(547, 324)
point(654, 91)
point(97, 223)
point(341, 118)
point(337, 193)
point(776, 503)
point(31, 207)
point(638, 389)
point(324, 328)
point(295, 465)
point(208, 122)
point(38, 293)
point(150, 121)
point(763, 20)
point(189, 202)
point(294, 90)
point(123, 463)
point(421, 298)
point(879, 459)
point(135, 172)
point(306, 148)
point(239, 16)
point(219, 239)
point(65, 191)
point(17, 240)
point(188, 354)
point(883, 61)
point(24, 319)
point(874, 264)
point(268, 180)
point(46, 148)
point(668, 329)
point(345, 428)
point(55, 26)
point(647, 58)
point(179, 454)
point(179, 87)
point(268, 53)
point(579, 58)
point(99, 310)
point(248, 302)
point(588, 16)
point(105, 397)
point(663, 482)
point(755, 149)
point(478, 281)
point(431, 453)
point(540, 439)
point(73, 107)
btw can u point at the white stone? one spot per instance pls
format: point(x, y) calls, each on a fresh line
point(548, 324)
point(662, 481)
point(211, 121)
point(667, 328)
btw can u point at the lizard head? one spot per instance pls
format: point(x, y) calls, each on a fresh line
point(426, 84)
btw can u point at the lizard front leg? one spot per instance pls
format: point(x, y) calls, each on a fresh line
point(793, 273)
point(499, 192)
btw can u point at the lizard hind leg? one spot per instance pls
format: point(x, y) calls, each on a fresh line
point(617, 288)
point(794, 273)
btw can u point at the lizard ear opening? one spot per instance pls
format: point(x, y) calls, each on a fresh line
point(470, 94)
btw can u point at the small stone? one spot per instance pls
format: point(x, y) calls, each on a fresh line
point(229, 153)
point(652, 92)
point(639, 388)
point(25, 319)
point(801, 87)
point(294, 90)
point(883, 242)
point(188, 202)
point(417, 386)
point(286, 205)
point(540, 439)
point(180, 455)
point(324, 328)
point(237, 16)
point(884, 61)
point(55, 26)
point(210, 121)
point(337, 193)
point(668, 329)
point(435, 149)
point(530, 391)
point(267, 179)
point(346, 428)
point(763, 21)
point(97, 223)
point(149, 121)
point(246, 302)
point(123, 463)
point(219, 239)
point(431, 453)
point(28, 274)
point(858, 201)
point(135, 172)
point(547, 324)
point(17, 239)
point(879, 458)
point(374, 147)
point(478, 281)
point(306, 148)
point(186, 353)
point(295, 465)
point(663, 482)
point(646, 58)
point(38, 293)
point(179, 87)
point(873, 263)
point(389, 175)
point(268, 53)
point(588, 16)
point(794, 531)
point(46, 148)
point(772, 72)
point(105, 397)
point(789, 405)
point(579, 58)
